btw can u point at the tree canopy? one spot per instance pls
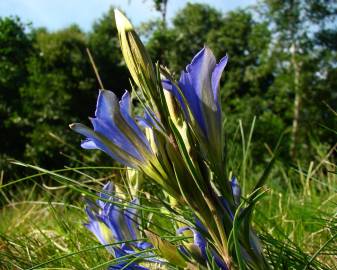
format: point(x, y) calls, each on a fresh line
point(282, 69)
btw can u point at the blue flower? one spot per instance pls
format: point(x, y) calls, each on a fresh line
point(115, 131)
point(201, 243)
point(199, 85)
point(236, 190)
point(111, 223)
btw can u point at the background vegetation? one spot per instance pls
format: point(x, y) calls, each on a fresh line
point(282, 70)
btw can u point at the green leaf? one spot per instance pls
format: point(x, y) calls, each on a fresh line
point(166, 250)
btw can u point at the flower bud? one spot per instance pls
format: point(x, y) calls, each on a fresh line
point(135, 55)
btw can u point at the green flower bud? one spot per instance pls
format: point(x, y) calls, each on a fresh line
point(135, 55)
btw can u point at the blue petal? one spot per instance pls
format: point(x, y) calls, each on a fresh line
point(216, 76)
point(169, 86)
point(93, 226)
point(149, 120)
point(89, 210)
point(88, 144)
point(116, 115)
point(99, 229)
point(107, 105)
point(193, 100)
point(125, 107)
point(144, 245)
point(200, 73)
point(119, 253)
point(111, 214)
point(199, 240)
point(142, 121)
point(92, 136)
point(130, 218)
point(106, 194)
point(227, 207)
point(236, 190)
point(115, 132)
point(199, 85)
point(200, 226)
point(110, 222)
point(112, 133)
point(113, 217)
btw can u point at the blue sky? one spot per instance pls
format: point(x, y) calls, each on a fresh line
point(56, 14)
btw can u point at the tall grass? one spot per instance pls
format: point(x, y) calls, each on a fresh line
point(42, 226)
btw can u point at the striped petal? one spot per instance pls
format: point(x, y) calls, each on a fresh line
point(216, 76)
point(200, 86)
point(105, 145)
point(116, 132)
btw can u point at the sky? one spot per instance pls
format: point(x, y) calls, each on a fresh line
point(57, 14)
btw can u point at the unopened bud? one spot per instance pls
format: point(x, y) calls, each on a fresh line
point(135, 55)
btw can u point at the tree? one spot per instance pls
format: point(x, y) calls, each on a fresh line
point(297, 25)
point(161, 6)
point(176, 46)
point(60, 89)
point(15, 49)
point(246, 43)
point(191, 27)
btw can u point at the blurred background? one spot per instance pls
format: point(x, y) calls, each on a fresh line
point(282, 69)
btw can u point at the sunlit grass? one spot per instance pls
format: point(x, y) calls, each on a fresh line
point(42, 224)
point(37, 231)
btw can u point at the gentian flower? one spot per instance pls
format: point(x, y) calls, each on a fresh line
point(199, 86)
point(117, 134)
point(181, 150)
point(110, 223)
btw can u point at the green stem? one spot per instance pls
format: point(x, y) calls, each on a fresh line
point(223, 243)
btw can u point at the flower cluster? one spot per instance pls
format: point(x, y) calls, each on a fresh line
point(111, 223)
point(178, 145)
point(117, 228)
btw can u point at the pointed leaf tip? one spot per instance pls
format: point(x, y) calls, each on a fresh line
point(122, 22)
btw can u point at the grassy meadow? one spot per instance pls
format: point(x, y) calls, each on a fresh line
point(42, 224)
point(270, 117)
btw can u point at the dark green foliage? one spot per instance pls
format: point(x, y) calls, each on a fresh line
point(176, 46)
point(47, 80)
point(59, 83)
point(304, 61)
point(15, 49)
point(192, 26)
